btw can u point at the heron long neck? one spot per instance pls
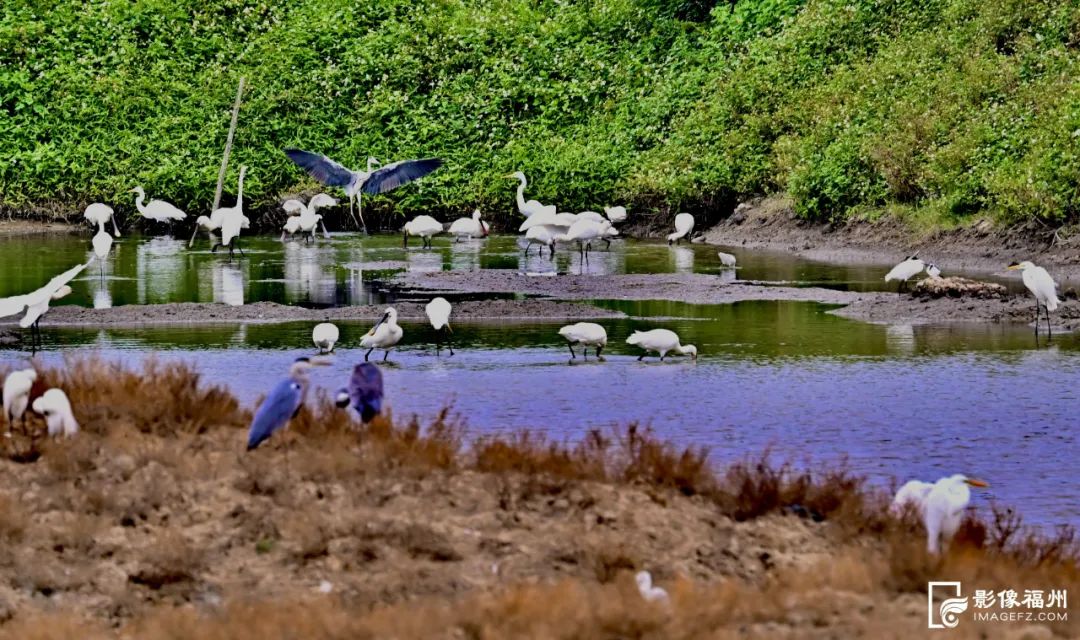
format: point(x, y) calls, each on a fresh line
point(139, 202)
point(521, 195)
point(240, 193)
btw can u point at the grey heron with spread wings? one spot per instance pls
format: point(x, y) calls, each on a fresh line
point(377, 179)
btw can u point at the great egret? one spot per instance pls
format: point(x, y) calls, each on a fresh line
point(684, 226)
point(56, 408)
point(156, 210)
point(384, 335)
point(933, 271)
point(585, 231)
point(365, 391)
point(283, 403)
point(905, 270)
point(587, 334)
point(325, 335)
point(562, 220)
point(661, 341)
point(469, 228)
point(726, 259)
point(232, 219)
point(532, 207)
point(372, 182)
point(943, 509)
point(1042, 286)
point(913, 493)
point(438, 313)
point(543, 235)
point(17, 387)
point(423, 226)
point(615, 214)
point(99, 213)
point(649, 592)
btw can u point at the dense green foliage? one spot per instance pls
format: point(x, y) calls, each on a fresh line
point(944, 107)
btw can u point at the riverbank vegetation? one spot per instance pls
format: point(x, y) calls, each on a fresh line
point(943, 109)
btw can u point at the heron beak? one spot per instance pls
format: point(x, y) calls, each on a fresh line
point(977, 483)
point(1013, 267)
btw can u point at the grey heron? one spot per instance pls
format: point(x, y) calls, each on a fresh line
point(283, 403)
point(364, 392)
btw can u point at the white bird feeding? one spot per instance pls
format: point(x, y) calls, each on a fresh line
point(469, 228)
point(649, 592)
point(943, 509)
point(543, 235)
point(662, 341)
point(911, 496)
point(684, 226)
point(56, 409)
point(424, 227)
point(438, 313)
point(933, 271)
point(587, 334)
point(532, 207)
point(905, 270)
point(232, 219)
point(384, 335)
point(102, 243)
point(1042, 286)
point(585, 231)
point(99, 213)
point(615, 214)
point(156, 210)
point(726, 259)
point(17, 387)
point(325, 335)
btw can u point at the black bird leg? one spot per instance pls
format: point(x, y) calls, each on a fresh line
point(571, 347)
point(368, 354)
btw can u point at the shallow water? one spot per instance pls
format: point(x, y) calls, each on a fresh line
point(897, 401)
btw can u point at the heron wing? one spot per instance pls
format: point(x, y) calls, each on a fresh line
point(366, 390)
point(396, 174)
point(275, 412)
point(321, 168)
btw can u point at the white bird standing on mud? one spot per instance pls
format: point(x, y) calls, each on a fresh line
point(156, 210)
point(587, 334)
point(1042, 286)
point(325, 335)
point(726, 259)
point(99, 213)
point(384, 335)
point(905, 270)
point(17, 387)
point(943, 509)
point(469, 228)
point(649, 592)
point(532, 207)
point(56, 409)
point(102, 243)
point(423, 227)
point(684, 226)
point(661, 341)
point(438, 313)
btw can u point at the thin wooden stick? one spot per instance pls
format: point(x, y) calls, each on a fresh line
point(228, 146)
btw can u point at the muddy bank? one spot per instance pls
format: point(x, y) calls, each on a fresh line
point(771, 224)
point(21, 227)
point(907, 309)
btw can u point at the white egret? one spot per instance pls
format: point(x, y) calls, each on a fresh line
point(384, 335)
point(469, 228)
point(587, 334)
point(422, 226)
point(438, 313)
point(649, 592)
point(943, 509)
point(585, 231)
point(661, 341)
point(283, 403)
point(156, 210)
point(684, 227)
point(17, 387)
point(913, 493)
point(933, 271)
point(325, 335)
point(905, 270)
point(1042, 286)
point(56, 409)
point(372, 182)
point(726, 259)
point(102, 243)
point(232, 219)
point(36, 303)
point(98, 213)
point(615, 214)
point(543, 235)
point(532, 207)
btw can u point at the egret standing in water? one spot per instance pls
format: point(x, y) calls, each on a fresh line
point(1042, 286)
point(102, 243)
point(364, 393)
point(384, 335)
point(232, 219)
point(55, 407)
point(372, 182)
point(661, 341)
point(943, 509)
point(99, 213)
point(587, 334)
point(905, 270)
point(726, 259)
point(684, 227)
point(532, 207)
point(283, 403)
point(438, 313)
point(17, 387)
point(156, 210)
point(325, 335)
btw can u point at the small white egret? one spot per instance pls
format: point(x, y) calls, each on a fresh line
point(325, 335)
point(587, 334)
point(1042, 286)
point(102, 243)
point(913, 493)
point(726, 259)
point(469, 228)
point(905, 270)
point(17, 387)
point(422, 226)
point(933, 271)
point(649, 592)
point(532, 207)
point(232, 219)
point(661, 341)
point(99, 213)
point(943, 509)
point(438, 313)
point(156, 210)
point(684, 227)
point(384, 335)
point(56, 409)
point(615, 214)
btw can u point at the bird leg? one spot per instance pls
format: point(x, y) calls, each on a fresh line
point(351, 214)
point(641, 357)
point(598, 350)
point(386, 354)
point(570, 346)
point(368, 354)
point(240, 248)
point(214, 248)
point(449, 343)
point(360, 211)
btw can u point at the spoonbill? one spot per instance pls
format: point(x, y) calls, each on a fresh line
point(156, 210)
point(423, 226)
point(232, 219)
point(943, 509)
point(372, 182)
point(913, 493)
point(933, 271)
point(469, 227)
point(306, 216)
point(726, 259)
point(17, 387)
point(532, 207)
point(384, 335)
point(283, 403)
point(102, 243)
point(364, 392)
point(684, 227)
point(36, 303)
point(543, 235)
point(100, 213)
point(1042, 286)
point(649, 592)
point(584, 232)
point(438, 313)
point(55, 407)
point(587, 334)
point(661, 341)
point(905, 270)
point(591, 215)
point(325, 335)
point(291, 227)
point(615, 214)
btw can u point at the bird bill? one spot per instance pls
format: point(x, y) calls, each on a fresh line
point(977, 483)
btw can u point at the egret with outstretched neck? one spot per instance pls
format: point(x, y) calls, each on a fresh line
point(156, 210)
point(36, 303)
point(532, 207)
